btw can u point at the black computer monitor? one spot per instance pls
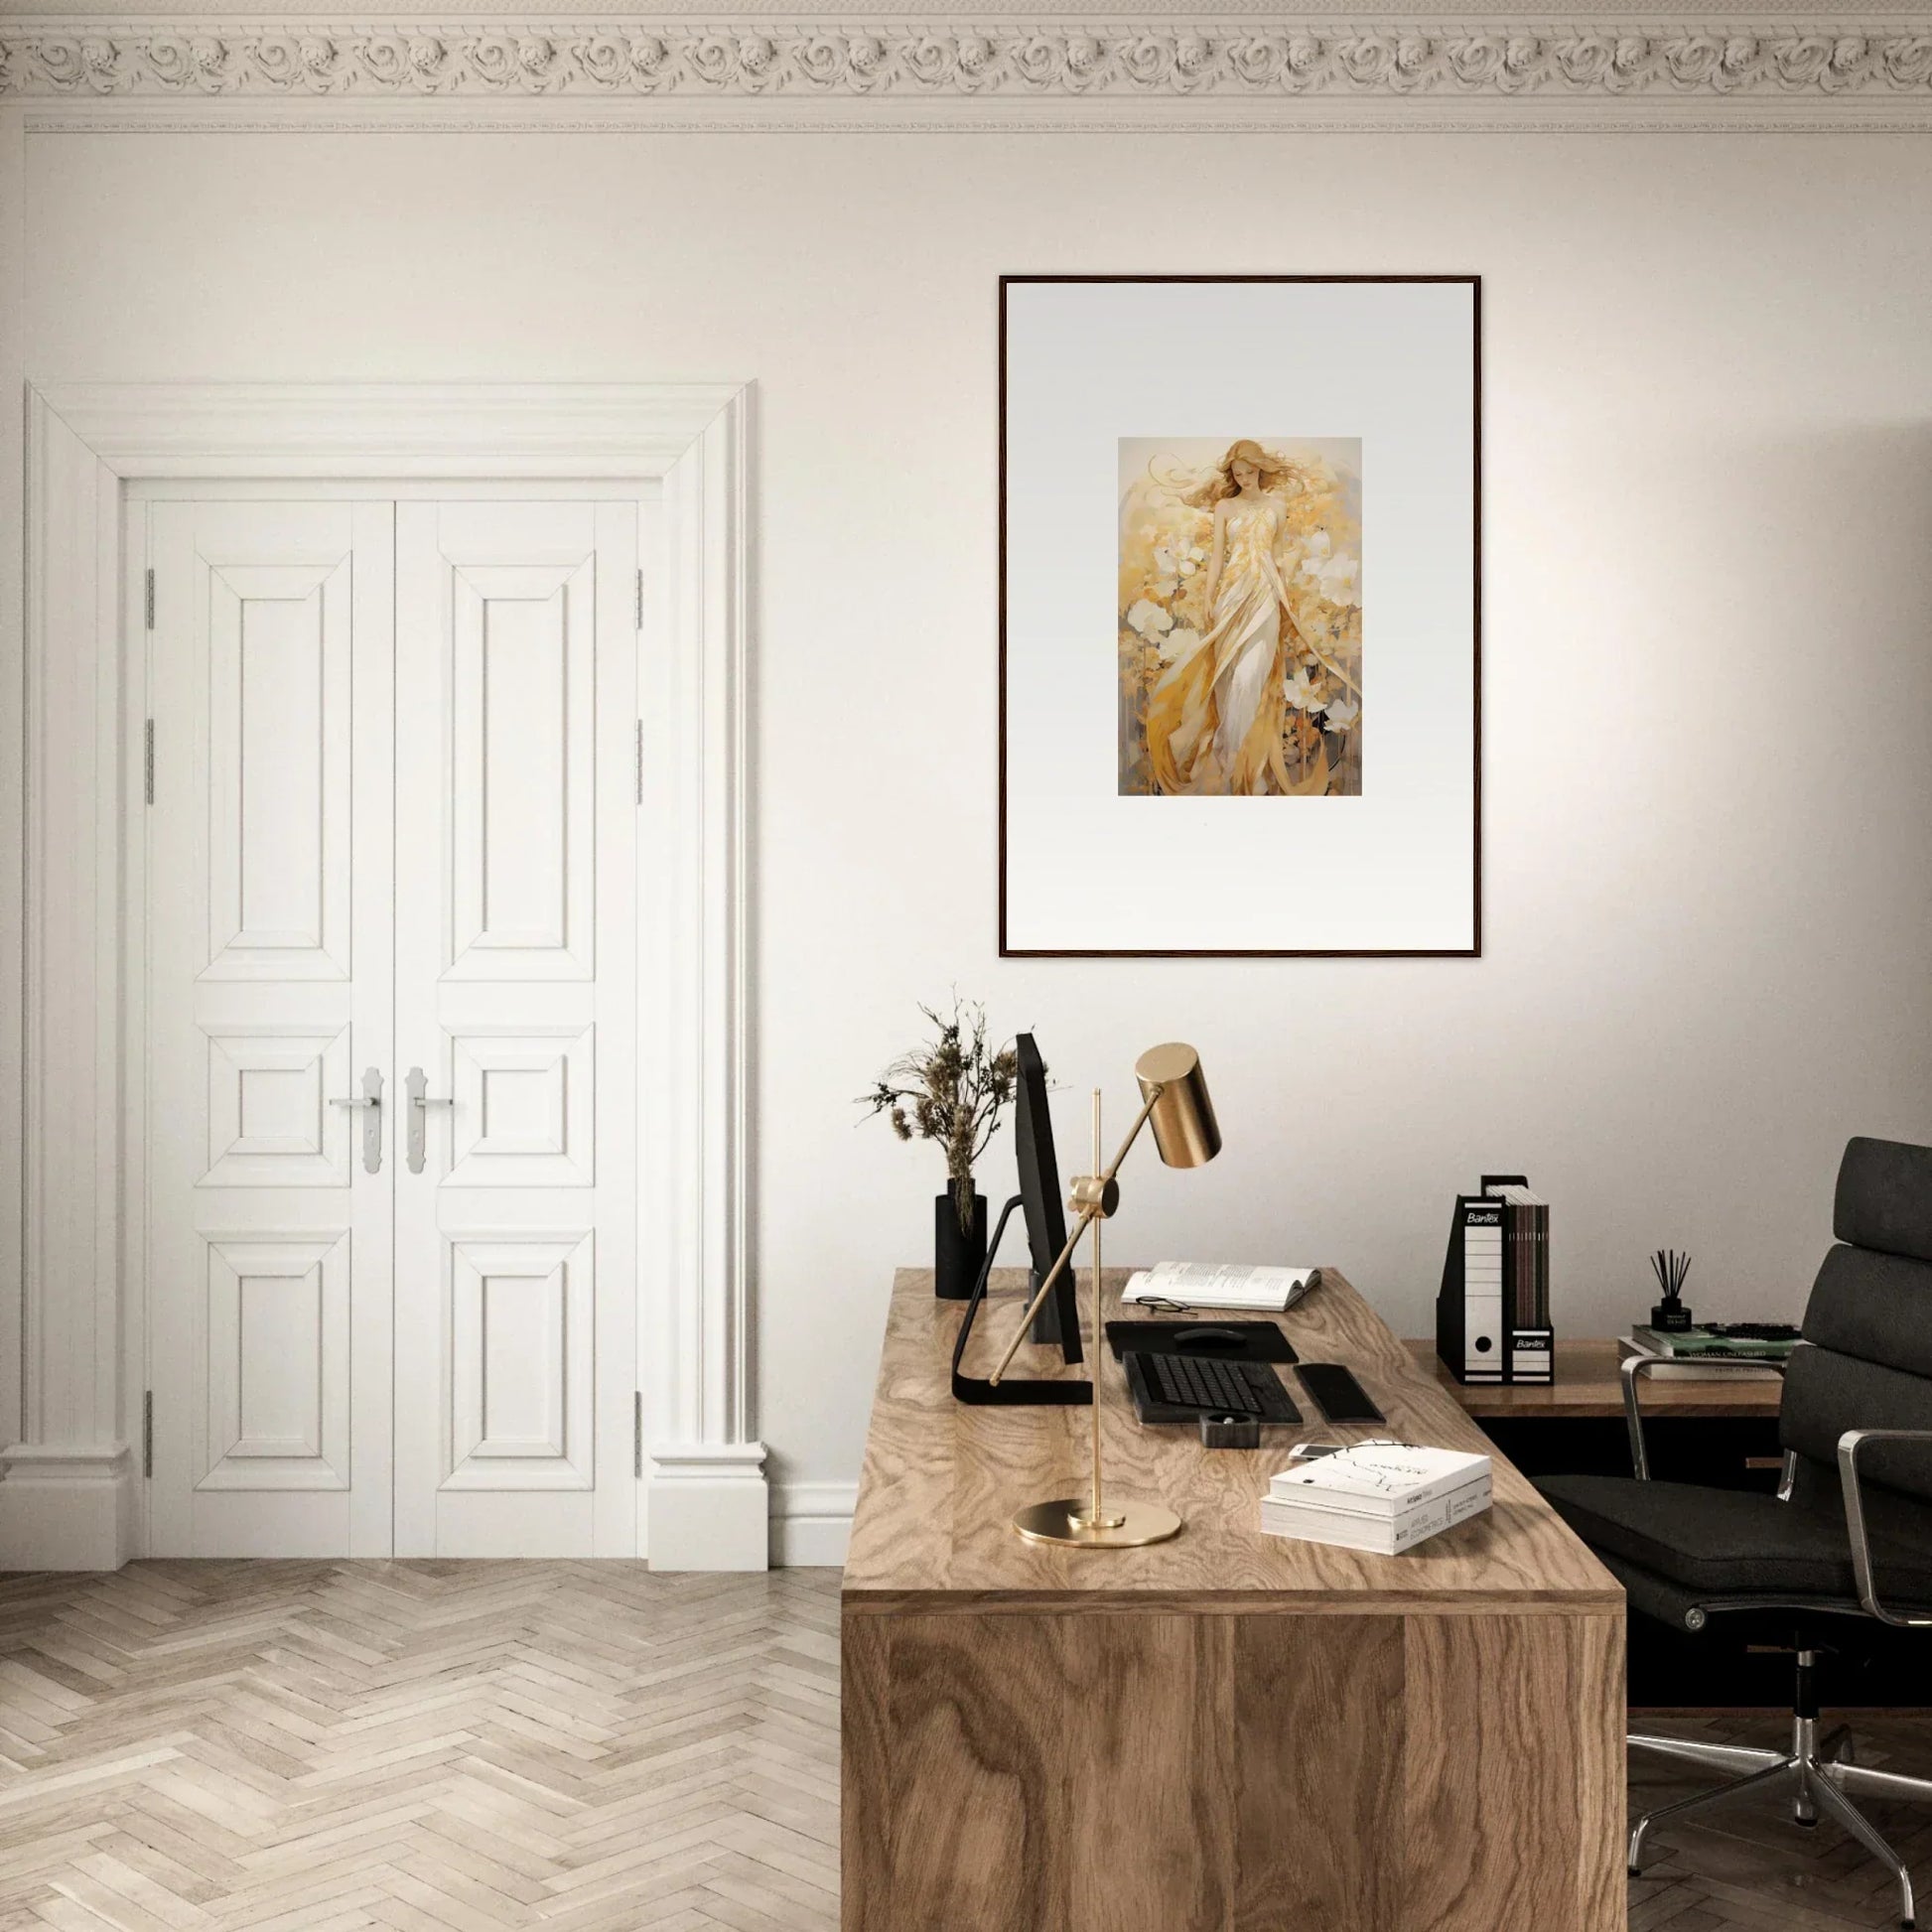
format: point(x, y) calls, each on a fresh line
point(1038, 1200)
point(1039, 1196)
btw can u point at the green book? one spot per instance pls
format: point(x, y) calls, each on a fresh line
point(1701, 1342)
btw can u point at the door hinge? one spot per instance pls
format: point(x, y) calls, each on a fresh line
point(641, 761)
point(640, 599)
point(150, 600)
point(146, 1432)
point(147, 761)
point(637, 1433)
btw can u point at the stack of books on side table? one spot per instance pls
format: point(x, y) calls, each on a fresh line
point(1381, 1496)
point(1686, 1351)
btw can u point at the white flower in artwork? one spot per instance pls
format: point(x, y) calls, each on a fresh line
point(1343, 715)
point(1337, 577)
point(1166, 561)
point(1303, 694)
point(1180, 643)
point(1149, 619)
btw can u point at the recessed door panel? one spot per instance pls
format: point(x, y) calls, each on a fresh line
point(271, 1121)
point(278, 1384)
point(522, 710)
point(521, 1373)
point(279, 643)
point(524, 1113)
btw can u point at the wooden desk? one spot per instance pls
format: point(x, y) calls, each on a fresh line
point(1227, 1732)
point(1587, 1386)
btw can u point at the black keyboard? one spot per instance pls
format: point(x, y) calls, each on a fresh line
point(1203, 1386)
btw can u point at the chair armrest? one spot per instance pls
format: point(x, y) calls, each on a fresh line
point(1848, 1445)
point(1634, 1368)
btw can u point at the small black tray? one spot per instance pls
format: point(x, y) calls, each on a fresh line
point(1252, 1341)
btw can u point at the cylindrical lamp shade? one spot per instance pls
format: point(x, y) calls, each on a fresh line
point(1184, 1127)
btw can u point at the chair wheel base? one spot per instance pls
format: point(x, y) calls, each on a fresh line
point(1810, 1823)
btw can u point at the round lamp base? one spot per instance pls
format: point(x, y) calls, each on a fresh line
point(1129, 1526)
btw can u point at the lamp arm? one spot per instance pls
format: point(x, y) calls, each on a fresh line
point(1088, 1215)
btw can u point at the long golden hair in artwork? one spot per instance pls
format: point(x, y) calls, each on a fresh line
point(1275, 471)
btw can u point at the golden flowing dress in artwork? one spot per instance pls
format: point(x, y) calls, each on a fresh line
point(1214, 720)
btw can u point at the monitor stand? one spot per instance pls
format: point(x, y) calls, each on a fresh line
point(1010, 1390)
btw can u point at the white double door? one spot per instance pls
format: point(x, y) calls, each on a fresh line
point(390, 1106)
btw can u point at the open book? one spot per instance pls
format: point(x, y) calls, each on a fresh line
point(1217, 1285)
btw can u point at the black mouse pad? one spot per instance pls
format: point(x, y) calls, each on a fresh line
point(1221, 1341)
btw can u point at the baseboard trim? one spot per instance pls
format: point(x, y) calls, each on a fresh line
point(66, 1508)
point(709, 1507)
point(811, 1524)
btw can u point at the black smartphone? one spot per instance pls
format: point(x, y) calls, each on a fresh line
point(1338, 1394)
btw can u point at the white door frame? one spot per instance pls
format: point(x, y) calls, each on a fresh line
point(72, 1392)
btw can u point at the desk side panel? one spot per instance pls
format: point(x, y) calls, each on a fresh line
point(973, 1779)
point(1318, 1720)
point(1514, 1773)
point(1153, 1784)
point(865, 1772)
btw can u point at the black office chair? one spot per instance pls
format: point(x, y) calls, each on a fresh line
point(1847, 1539)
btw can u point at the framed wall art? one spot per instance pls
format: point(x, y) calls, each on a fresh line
point(1240, 615)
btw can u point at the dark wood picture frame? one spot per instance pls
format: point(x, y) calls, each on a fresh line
point(1475, 949)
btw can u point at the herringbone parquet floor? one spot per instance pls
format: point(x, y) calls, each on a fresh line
point(431, 1746)
point(474, 1747)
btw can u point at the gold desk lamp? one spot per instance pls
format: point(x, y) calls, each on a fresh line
point(1174, 1096)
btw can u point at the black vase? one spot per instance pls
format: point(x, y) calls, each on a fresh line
point(957, 1257)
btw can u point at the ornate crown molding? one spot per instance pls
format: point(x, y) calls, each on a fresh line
point(1880, 74)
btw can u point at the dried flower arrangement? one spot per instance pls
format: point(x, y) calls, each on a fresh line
point(952, 1090)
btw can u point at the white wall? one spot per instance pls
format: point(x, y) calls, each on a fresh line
point(1707, 647)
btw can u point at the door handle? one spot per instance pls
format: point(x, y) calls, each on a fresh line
point(369, 1098)
point(420, 1102)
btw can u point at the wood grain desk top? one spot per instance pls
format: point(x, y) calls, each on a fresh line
point(1588, 1385)
point(941, 1480)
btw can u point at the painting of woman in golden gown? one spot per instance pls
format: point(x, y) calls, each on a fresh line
point(1240, 618)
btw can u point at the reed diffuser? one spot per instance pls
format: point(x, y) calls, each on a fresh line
point(1670, 1316)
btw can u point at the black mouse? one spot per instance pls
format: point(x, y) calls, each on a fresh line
point(1209, 1338)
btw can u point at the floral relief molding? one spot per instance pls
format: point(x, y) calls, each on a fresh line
point(1864, 74)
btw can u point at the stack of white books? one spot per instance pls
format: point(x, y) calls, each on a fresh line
point(1219, 1284)
point(1381, 1496)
